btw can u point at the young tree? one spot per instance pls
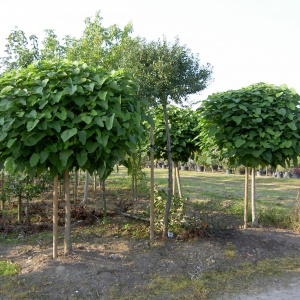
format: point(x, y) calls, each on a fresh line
point(254, 126)
point(182, 123)
point(167, 72)
point(62, 115)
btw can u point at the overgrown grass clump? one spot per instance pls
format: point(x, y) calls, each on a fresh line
point(7, 268)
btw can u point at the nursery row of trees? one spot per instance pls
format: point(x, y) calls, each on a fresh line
point(85, 103)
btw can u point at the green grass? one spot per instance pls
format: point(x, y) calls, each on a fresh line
point(7, 268)
point(276, 198)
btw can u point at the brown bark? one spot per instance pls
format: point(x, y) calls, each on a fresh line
point(151, 186)
point(55, 217)
point(170, 179)
point(253, 201)
point(246, 198)
point(67, 236)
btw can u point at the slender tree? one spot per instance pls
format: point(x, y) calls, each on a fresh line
point(166, 72)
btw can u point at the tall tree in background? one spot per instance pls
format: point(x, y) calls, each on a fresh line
point(167, 72)
point(21, 51)
point(253, 126)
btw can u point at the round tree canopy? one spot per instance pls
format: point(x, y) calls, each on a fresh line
point(256, 125)
point(61, 115)
point(183, 123)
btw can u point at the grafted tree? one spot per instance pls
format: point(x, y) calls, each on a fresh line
point(254, 126)
point(62, 115)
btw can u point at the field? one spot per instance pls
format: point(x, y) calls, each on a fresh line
point(113, 258)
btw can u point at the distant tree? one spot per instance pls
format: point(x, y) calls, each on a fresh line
point(21, 51)
point(254, 126)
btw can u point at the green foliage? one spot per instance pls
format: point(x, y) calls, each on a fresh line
point(256, 125)
point(61, 115)
point(21, 51)
point(167, 70)
point(7, 268)
point(177, 210)
point(182, 123)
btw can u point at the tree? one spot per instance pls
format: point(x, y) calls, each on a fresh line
point(254, 126)
point(167, 72)
point(62, 115)
point(183, 123)
point(20, 51)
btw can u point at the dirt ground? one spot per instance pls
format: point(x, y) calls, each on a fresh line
point(114, 267)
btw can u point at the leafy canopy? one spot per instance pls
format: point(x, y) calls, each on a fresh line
point(61, 115)
point(256, 125)
point(182, 123)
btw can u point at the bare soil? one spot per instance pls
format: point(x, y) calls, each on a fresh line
point(114, 262)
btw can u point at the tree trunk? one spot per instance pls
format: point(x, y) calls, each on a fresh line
point(170, 179)
point(152, 217)
point(104, 198)
point(76, 188)
point(178, 182)
point(67, 237)
point(253, 201)
point(95, 181)
point(246, 198)
point(55, 217)
point(20, 207)
point(3, 198)
point(86, 188)
point(175, 166)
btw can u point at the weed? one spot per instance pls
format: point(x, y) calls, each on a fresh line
point(7, 268)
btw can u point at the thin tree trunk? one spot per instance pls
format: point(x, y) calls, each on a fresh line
point(55, 217)
point(170, 179)
point(179, 182)
point(95, 181)
point(246, 198)
point(175, 166)
point(253, 201)
point(27, 204)
point(104, 198)
point(20, 207)
point(76, 188)
point(67, 237)
point(152, 217)
point(2, 190)
point(86, 188)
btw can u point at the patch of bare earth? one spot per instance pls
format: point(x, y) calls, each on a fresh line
point(115, 267)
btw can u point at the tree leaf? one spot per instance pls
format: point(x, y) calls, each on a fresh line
point(237, 119)
point(109, 121)
point(10, 142)
point(281, 111)
point(67, 134)
point(31, 124)
point(43, 156)
point(64, 156)
point(34, 159)
point(10, 165)
point(292, 125)
point(239, 142)
point(81, 158)
point(82, 137)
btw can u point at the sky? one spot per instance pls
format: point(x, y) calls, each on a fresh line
point(245, 41)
